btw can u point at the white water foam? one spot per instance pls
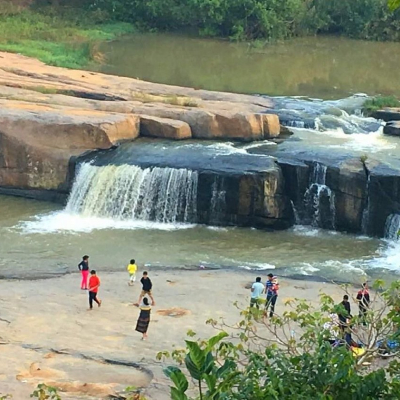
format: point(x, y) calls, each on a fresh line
point(257, 266)
point(64, 221)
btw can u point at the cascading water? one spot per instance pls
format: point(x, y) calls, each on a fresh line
point(218, 201)
point(366, 211)
point(319, 200)
point(392, 226)
point(128, 192)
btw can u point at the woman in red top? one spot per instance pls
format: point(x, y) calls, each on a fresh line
point(94, 283)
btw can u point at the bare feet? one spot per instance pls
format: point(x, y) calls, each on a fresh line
point(99, 303)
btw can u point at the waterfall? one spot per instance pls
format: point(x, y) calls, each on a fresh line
point(365, 214)
point(392, 226)
point(218, 201)
point(128, 192)
point(297, 219)
point(320, 200)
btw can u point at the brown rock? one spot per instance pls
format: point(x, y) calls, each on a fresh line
point(37, 141)
point(164, 128)
point(224, 125)
point(271, 126)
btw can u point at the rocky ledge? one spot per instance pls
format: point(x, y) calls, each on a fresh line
point(49, 115)
point(391, 116)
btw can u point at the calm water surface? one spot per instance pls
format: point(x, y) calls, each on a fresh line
point(324, 67)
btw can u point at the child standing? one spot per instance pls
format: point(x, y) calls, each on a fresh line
point(146, 289)
point(94, 284)
point(132, 269)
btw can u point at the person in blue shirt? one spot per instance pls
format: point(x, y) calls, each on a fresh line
point(257, 289)
point(271, 288)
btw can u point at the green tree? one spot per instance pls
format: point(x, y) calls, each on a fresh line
point(394, 4)
point(289, 357)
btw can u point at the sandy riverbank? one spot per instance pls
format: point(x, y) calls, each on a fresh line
point(47, 335)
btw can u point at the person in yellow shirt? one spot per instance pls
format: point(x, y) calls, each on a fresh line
point(132, 269)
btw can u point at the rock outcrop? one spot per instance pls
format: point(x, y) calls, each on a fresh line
point(387, 114)
point(50, 115)
point(37, 142)
point(164, 128)
point(392, 128)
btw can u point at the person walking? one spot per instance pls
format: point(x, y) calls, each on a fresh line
point(143, 321)
point(363, 299)
point(94, 284)
point(132, 268)
point(271, 288)
point(146, 289)
point(84, 268)
point(257, 289)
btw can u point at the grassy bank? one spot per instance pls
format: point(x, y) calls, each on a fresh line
point(379, 102)
point(62, 39)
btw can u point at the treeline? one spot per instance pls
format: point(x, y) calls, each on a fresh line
point(252, 19)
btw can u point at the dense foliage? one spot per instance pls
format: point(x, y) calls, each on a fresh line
point(259, 19)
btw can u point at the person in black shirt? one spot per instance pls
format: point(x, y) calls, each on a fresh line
point(84, 268)
point(146, 289)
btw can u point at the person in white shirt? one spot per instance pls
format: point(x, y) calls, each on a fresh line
point(257, 289)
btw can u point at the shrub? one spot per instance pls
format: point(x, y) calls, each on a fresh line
point(289, 357)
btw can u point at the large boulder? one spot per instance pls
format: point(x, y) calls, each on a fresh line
point(392, 128)
point(241, 126)
point(164, 128)
point(349, 183)
point(37, 142)
point(271, 126)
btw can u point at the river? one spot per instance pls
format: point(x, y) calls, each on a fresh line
point(41, 239)
point(322, 67)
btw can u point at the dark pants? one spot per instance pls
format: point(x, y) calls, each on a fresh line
point(271, 300)
point(93, 296)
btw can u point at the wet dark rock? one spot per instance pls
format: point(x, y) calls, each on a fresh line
point(383, 196)
point(392, 128)
point(387, 114)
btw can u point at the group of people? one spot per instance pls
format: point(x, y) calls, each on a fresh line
point(340, 323)
point(92, 284)
point(270, 290)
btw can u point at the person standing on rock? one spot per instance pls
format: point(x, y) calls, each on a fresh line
point(146, 289)
point(271, 288)
point(84, 268)
point(144, 318)
point(94, 284)
point(257, 289)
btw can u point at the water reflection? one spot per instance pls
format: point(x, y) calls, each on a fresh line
point(324, 67)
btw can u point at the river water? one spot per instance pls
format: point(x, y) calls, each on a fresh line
point(323, 67)
point(41, 239)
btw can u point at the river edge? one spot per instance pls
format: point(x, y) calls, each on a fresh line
point(49, 336)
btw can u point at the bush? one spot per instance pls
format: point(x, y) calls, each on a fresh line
point(260, 19)
point(289, 357)
point(379, 102)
